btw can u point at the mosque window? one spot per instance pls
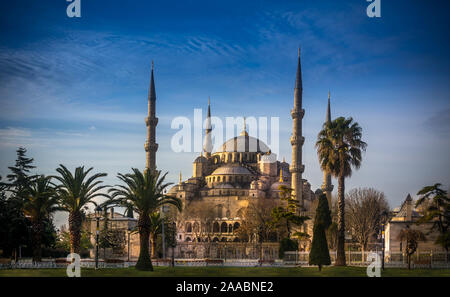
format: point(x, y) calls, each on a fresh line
point(216, 228)
point(223, 227)
point(188, 227)
point(196, 227)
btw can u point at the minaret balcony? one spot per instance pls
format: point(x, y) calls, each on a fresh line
point(327, 188)
point(296, 169)
point(150, 146)
point(151, 121)
point(297, 140)
point(296, 113)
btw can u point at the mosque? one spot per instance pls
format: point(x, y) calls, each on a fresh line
point(226, 179)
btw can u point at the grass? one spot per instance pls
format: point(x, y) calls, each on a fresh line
point(228, 272)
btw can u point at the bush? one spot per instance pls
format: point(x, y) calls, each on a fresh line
point(287, 244)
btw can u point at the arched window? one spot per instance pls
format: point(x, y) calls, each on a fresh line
point(230, 228)
point(224, 227)
point(215, 239)
point(188, 239)
point(216, 228)
point(236, 226)
point(188, 227)
point(196, 227)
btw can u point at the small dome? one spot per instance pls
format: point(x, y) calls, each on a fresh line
point(244, 143)
point(200, 159)
point(276, 186)
point(228, 169)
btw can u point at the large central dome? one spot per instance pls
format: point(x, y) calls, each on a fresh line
point(244, 143)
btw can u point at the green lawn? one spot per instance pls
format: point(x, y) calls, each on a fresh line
point(227, 271)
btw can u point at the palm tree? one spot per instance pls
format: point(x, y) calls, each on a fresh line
point(155, 228)
point(412, 238)
point(144, 192)
point(339, 148)
point(75, 192)
point(40, 201)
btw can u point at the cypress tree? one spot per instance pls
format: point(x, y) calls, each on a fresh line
point(319, 254)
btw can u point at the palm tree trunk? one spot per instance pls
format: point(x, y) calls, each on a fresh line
point(154, 249)
point(340, 257)
point(75, 231)
point(144, 262)
point(37, 240)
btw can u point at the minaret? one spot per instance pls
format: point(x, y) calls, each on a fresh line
point(151, 121)
point(244, 129)
point(297, 139)
point(207, 146)
point(327, 187)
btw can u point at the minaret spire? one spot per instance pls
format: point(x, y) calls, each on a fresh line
point(327, 187)
point(151, 121)
point(244, 129)
point(297, 139)
point(207, 146)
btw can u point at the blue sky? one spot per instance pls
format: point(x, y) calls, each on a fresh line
point(74, 91)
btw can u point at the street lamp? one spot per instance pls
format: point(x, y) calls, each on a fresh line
point(98, 214)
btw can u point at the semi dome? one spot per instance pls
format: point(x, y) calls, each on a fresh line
point(200, 159)
point(228, 170)
point(244, 143)
point(276, 186)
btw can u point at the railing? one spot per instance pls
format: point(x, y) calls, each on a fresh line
point(427, 259)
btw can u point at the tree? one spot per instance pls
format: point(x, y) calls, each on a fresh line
point(64, 240)
point(19, 176)
point(365, 214)
point(156, 222)
point(319, 254)
point(339, 148)
point(40, 202)
point(14, 224)
point(412, 238)
point(144, 192)
point(257, 219)
point(436, 205)
point(287, 215)
point(75, 192)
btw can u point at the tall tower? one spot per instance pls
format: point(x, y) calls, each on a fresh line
point(151, 121)
point(327, 187)
point(297, 139)
point(207, 146)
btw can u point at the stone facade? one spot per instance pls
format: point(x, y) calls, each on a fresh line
point(226, 180)
point(405, 216)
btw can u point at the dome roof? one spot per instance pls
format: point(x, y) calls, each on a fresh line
point(228, 169)
point(276, 186)
point(244, 143)
point(200, 159)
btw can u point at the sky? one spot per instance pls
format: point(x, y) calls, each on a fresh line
point(73, 91)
